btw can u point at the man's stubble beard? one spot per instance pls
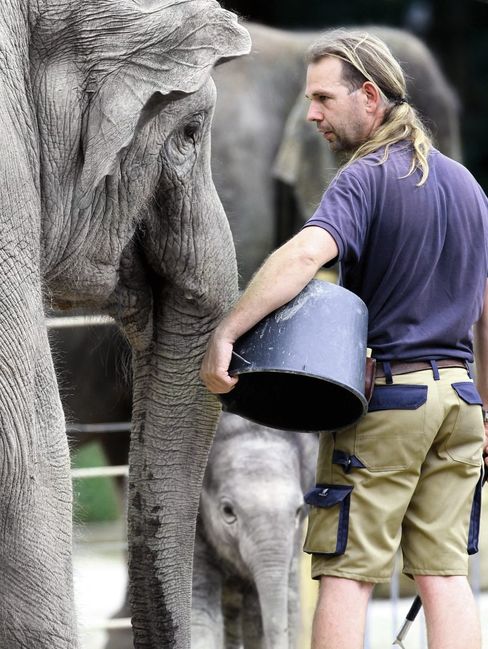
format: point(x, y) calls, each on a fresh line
point(343, 152)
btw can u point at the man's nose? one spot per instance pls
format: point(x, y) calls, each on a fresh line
point(314, 114)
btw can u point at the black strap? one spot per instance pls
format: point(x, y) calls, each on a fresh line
point(387, 372)
point(347, 461)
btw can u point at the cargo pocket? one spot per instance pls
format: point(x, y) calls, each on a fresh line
point(466, 439)
point(387, 439)
point(328, 521)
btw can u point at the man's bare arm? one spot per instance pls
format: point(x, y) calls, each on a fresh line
point(481, 358)
point(283, 275)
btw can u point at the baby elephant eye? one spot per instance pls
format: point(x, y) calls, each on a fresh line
point(228, 512)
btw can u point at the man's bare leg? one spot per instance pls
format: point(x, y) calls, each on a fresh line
point(340, 615)
point(450, 612)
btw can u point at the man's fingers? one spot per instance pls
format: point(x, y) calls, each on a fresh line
point(215, 366)
point(220, 385)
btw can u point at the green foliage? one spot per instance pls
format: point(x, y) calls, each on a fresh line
point(95, 499)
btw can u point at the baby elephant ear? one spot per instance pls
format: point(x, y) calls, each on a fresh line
point(169, 47)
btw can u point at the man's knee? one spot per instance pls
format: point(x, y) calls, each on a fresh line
point(347, 589)
point(437, 589)
point(433, 585)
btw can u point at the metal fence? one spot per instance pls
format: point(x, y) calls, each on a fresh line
point(384, 617)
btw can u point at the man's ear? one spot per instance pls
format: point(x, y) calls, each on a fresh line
point(371, 94)
point(166, 52)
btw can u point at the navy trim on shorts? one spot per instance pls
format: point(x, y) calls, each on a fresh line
point(475, 517)
point(347, 461)
point(397, 397)
point(325, 496)
point(468, 392)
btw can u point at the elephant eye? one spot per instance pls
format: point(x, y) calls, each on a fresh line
point(181, 148)
point(192, 128)
point(228, 512)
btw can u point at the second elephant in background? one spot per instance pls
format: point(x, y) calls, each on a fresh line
point(248, 542)
point(269, 165)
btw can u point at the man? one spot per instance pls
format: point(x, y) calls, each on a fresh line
point(410, 229)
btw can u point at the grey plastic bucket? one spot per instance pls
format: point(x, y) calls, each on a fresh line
point(302, 367)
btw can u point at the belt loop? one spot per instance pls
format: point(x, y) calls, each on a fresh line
point(435, 370)
point(387, 371)
point(468, 369)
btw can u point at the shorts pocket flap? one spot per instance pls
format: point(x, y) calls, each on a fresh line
point(327, 495)
point(468, 392)
point(398, 397)
point(328, 522)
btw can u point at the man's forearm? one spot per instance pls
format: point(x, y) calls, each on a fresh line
point(284, 274)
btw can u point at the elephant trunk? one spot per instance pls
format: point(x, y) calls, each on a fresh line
point(167, 463)
point(271, 570)
point(190, 255)
point(272, 587)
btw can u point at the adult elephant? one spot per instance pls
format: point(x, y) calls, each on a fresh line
point(270, 167)
point(107, 200)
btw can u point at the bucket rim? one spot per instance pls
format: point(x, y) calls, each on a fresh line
point(259, 370)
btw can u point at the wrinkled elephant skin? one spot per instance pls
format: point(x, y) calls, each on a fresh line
point(107, 202)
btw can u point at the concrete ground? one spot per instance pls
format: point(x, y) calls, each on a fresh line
point(100, 580)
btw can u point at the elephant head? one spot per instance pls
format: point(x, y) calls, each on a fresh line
point(251, 510)
point(108, 202)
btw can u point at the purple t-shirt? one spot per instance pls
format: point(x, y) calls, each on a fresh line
point(417, 256)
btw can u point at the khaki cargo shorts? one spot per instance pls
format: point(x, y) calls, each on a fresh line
point(406, 475)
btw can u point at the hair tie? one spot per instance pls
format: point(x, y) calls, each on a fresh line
point(400, 100)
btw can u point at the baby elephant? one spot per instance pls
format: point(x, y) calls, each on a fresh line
point(248, 542)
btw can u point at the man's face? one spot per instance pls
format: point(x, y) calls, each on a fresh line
point(340, 115)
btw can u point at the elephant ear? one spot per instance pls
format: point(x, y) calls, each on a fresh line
point(304, 162)
point(138, 51)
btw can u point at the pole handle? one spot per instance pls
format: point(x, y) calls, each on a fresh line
point(414, 609)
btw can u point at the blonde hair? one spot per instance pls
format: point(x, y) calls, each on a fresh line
point(367, 58)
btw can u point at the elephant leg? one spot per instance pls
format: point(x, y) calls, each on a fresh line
point(206, 615)
point(36, 585)
point(252, 625)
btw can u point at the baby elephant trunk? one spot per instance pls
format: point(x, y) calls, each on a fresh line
point(272, 583)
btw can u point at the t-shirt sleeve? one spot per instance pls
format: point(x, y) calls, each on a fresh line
point(345, 212)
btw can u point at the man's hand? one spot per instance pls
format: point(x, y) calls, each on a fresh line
point(214, 371)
